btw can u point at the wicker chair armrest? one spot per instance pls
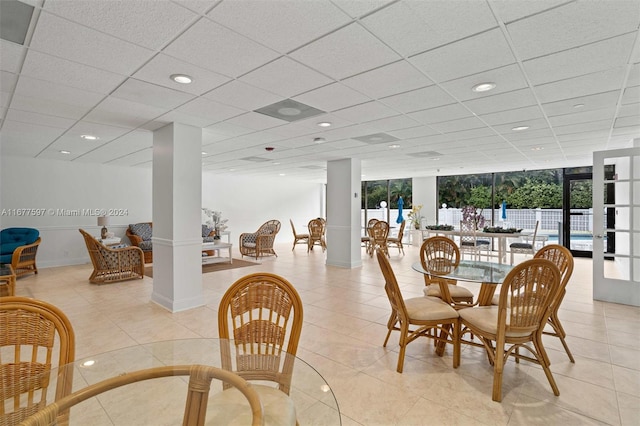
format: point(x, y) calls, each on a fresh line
point(248, 237)
point(135, 240)
point(17, 253)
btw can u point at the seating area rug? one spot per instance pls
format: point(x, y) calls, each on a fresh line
point(213, 267)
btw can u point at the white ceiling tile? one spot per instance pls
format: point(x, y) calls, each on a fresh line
point(413, 132)
point(147, 93)
point(39, 119)
point(255, 121)
point(419, 99)
point(629, 110)
point(179, 117)
point(440, 114)
point(34, 88)
point(513, 115)
point(131, 142)
point(332, 97)
point(136, 158)
point(227, 129)
point(365, 112)
point(388, 80)
point(458, 125)
point(469, 56)
point(509, 10)
point(527, 134)
point(505, 128)
point(26, 138)
point(631, 95)
point(285, 77)
point(589, 84)
point(357, 8)
point(104, 132)
point(8, 81)
point(582, 60)
point(627, 121)
point(507, 79)
point(278, 25)
point(348, 51)
point(123, 113)
point(212, 112)
point(242, 95)
point(47, 107)
point(147, 23)
point(501, 101)
point(589, 103)
point(571, 25)
point(397, 122)
point(214, 47)
point(582, 116)
point(11, 56)
point(198, 6)
point(50, 68)
point(68, 40)
point(160, 69)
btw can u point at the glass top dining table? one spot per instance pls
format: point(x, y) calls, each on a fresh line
point(162, 401)
point(489, 274)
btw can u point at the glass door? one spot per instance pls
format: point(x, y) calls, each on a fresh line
point(577, 232)
point(616, 202)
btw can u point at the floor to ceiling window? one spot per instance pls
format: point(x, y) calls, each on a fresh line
point(380, 199)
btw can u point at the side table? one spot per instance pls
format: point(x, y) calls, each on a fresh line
point(7, 281)
point(113, 241)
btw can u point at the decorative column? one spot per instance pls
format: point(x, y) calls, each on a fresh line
point(343, 213)
point(177, 193)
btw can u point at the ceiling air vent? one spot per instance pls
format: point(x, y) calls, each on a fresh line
point(289, 110)
point(376, 138)
point(426, 154)
point(256, 159)
point(15, 17)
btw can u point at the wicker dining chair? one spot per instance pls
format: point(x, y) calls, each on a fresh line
point(112, 265)
point(563, 259)
point(316, 234)
point(35, 336)
point(298, 238)
point(524, 247)
point(366, 239)
point(526, 298)
point(418, 317)
point(397, 240)
point(440, 255)
point(469, 241)
point(263, 314)
point(378, 234)
point(195, 410)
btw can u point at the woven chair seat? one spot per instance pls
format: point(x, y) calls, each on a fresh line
point(455, 291)
point(525, 246)
point(230, 407)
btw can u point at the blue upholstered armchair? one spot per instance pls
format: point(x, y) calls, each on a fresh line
point(18, 247)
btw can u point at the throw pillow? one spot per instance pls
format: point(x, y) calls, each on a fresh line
point(142, 230)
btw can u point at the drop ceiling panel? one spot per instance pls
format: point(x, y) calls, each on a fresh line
point(469, 56)
point(631, 95)
point(242, 95)
point(501, 102)
point(387, 80)
point(365, 112)
point(147, 93)
point(346, 52)
point(285, 77)
point(255, 121)
point(130, 142)
point(513, 115)
point(572, 25)
point(508, 10)
point(31, 87)
point(428, 97)
point(589, 84)
point(11, 56)
point(50, 68)
point(582, 117)
point(627, 121)
point(77, 43)
point(534, 125)
point(398, 122)
point(211, 111)
point(458, 125)
point(135, 158)
point(26, 139)
point(440, 114)
point(582, 103)
point(599, 56)
point(277, 24)
point(214, 47)
point(39, 119)
point(8, 82)
point(47, 107)
point(123, 113)
point(332, 97)
point(159, 70)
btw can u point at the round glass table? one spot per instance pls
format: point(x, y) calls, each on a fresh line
point(489, 274)
point(162, 401)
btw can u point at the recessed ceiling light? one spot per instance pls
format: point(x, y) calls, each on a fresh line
point(394, 146)
point(519, 128)
point(537, 148)
point(89, 137)
point(281, 174)
point(204, 153)
point(324, 124)
point(435, 159)
point(65, 152)
point(319, 140)
point(483, 87)
point(181, 78)
point(578, 106)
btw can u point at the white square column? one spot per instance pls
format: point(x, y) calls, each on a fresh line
point(343, 213)
point(177, 215)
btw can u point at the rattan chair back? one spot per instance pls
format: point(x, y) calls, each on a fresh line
point(378, 234)
point(397, 240)
point(439, 255)
point(200, 377)
point(563, 259)
point(32, 333)
point(316, 234)
point(263, 314)
point(298, 238)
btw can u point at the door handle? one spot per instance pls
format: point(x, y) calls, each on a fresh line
point(599, 237)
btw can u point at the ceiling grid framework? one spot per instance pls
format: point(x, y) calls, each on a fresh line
point(568, 70)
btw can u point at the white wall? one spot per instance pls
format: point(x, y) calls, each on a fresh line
point(425, 192)
point(27, 183)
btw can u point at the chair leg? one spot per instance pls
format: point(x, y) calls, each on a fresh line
point(498, 367)
point(543, 359)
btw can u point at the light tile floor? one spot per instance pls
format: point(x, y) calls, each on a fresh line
point(345, 324)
